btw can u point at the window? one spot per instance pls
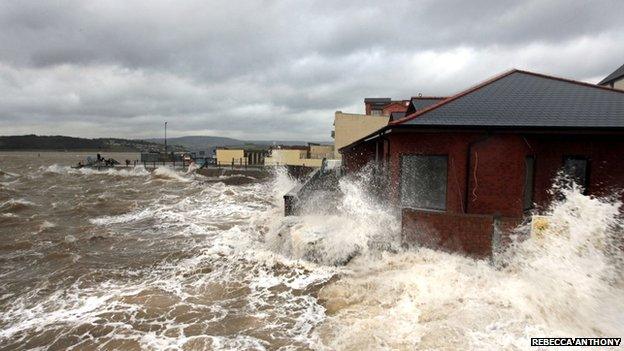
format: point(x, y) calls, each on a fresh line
point(423, 181)
point(577, 168)
point(529, 171)
point(376, 112)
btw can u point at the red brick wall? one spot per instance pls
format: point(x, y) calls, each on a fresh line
point(453, 145)
point(497, 161)
point(358, 156)
point(394, 107)
point(467, 234)
point(606, 164)
point(497, 175)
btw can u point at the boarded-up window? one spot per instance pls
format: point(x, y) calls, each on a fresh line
point(577, 168)
point(529, 171)
point(423, 181)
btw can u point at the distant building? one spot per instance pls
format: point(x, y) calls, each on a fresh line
point(614, 80)
point(241, 155)
point(349, 127)
point(383, 106)
point(293, 156)
point(320, 151)
point(469, 166)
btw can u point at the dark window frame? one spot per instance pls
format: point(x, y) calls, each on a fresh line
point(446, 180)
point(587, 160)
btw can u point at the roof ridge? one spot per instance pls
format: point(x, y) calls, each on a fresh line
point(453, 98)
point(428, 97)
point(567, 80)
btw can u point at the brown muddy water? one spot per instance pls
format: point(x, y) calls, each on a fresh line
point(165, 260)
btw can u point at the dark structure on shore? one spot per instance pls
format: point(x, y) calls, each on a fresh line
point(468, 167)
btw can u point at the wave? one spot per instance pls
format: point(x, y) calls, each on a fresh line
point(138, 171)
point(169, 174)
point(6, 174)
point(566, 283)
point(16, 205)
point(238, 275)
point(358, 224)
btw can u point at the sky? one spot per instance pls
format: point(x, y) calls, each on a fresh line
point(272, 69)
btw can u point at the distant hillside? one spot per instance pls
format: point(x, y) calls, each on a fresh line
point(199, 142)
point(58, 142)
point(185, 143)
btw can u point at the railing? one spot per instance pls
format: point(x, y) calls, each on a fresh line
point(155, 164)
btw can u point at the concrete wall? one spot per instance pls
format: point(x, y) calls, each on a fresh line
point(225, 156)
point(350, 127)
point(619, 84)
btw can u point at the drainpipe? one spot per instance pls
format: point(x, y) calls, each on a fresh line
point(468, 165)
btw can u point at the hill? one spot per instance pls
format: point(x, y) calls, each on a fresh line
point(201, 142)
point(58, 142)
point(197, 142)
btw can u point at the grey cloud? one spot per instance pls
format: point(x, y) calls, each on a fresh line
point(274, 68)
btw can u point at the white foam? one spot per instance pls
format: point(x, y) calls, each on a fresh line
point(381, 299)
point(567, 285)
point(164, 172)
point(138, 171)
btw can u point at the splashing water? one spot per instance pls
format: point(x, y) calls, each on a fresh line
point(172, 261)
point(357, 223)
point(568, 284)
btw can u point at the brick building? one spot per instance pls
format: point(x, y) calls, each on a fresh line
point(483, 159)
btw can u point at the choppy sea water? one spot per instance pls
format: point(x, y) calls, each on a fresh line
point(165, 260)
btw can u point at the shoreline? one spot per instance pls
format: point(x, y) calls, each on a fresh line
point(70, 150)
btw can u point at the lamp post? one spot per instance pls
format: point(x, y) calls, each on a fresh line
point(165, 138)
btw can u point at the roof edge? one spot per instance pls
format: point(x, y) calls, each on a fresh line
point(519, 129)
point(355, 142)
point(428, 97)
point(492, 80)
point(577, 82)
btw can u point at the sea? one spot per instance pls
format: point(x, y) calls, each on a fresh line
point(134, 259)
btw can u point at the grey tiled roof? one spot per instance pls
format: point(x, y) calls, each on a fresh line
point(419, 103)
point(396, 115)
point(618, 73)
point(525, 99)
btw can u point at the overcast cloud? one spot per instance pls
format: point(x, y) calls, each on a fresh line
point(273, 69)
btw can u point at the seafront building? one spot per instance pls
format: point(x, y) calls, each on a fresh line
point(349, 127)
point(311, 155)
point(465, 169)
point(248, 155)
